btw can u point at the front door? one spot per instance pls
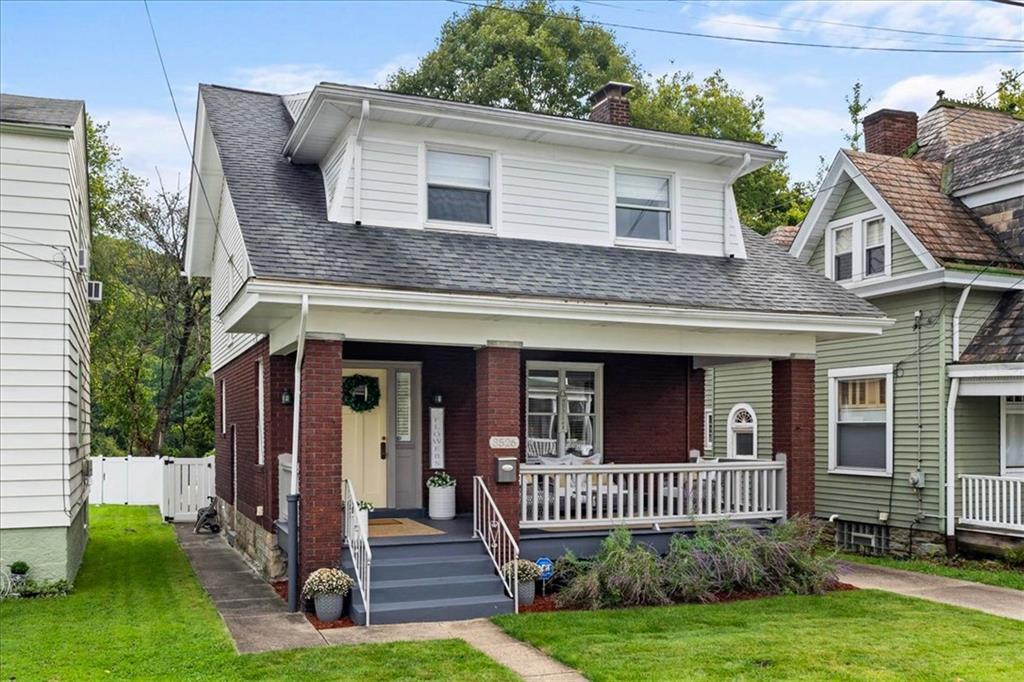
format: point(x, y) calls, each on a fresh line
point(364, 444)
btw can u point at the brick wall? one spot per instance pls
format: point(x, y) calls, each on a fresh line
point(695, 410)
point(1006, 218)
point(614, 109)
point(320, 476)
point(890, 131)
point(793, 429)
point(499, 407)
point(239, 382)
point(281, 376)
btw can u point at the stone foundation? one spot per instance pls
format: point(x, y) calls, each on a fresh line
point(257, 545)
point(927, 544)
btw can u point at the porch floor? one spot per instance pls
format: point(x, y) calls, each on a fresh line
point(459, 528)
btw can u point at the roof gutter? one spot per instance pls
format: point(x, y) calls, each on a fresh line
point(293, 488)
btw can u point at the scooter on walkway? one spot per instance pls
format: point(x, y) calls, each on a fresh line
point(207, 519)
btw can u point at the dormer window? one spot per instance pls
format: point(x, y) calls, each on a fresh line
point(458, 187)
point(643, 208)
point(874, 247)
point(842, 253)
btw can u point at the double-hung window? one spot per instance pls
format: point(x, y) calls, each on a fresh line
point(860, 420)
point(563, 410)
point(643, 207)
point(857, 248)
point(458, 187)
point(1013, 436)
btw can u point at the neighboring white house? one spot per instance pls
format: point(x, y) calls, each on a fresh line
point(44, 335)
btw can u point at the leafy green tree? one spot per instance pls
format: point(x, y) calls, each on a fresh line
point(855, 106)
point(535, 58)
point(1010, 97)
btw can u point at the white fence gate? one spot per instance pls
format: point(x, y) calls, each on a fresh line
point(178, 486)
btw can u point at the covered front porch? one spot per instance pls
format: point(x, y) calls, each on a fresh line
point(985, 452)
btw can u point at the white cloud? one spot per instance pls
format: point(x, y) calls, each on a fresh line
point(806, 121)
point(740, 26)
point(918, 93)
point(151, 143)
point(291, 78)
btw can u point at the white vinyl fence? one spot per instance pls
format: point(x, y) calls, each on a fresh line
point(178, 486)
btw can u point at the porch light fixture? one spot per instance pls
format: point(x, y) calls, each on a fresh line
point(286, 397)
point(437, 399)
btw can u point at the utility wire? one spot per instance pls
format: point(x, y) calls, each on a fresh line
point(761, 41)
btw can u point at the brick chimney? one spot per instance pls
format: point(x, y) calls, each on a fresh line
point(890, 131)
point(609, 104)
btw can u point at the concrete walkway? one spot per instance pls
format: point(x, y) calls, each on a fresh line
point(998, 601)
point(258, 619)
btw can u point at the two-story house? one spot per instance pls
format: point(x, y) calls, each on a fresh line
point(403, 285)
point(920, 431)
point(44, 335)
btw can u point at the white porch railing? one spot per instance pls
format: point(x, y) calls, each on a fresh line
point(490, 527)
point(608, 495)
point(992, 502)
point(358, 539)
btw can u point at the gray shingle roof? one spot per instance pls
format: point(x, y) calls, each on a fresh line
point(990, 158)
point(282, 211)
point(1001, 338)
point(40, 110)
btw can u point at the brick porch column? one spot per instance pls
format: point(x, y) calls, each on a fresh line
point(320, 502)
point(793, 429)
point(499, 406)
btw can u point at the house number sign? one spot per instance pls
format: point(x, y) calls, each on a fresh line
point(504, 442)
point(437, 438)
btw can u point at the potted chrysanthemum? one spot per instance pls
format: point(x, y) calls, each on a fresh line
point(442, 496)
point(327, 588)
point(363, 508)
point(19, 573)
point(529, 572)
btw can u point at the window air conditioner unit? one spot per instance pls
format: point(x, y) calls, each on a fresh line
point(94, 291)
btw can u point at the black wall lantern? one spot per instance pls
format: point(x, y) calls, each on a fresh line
point(286, 396)
point(437, 399)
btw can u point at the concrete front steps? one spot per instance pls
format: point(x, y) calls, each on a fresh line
point(428, 578)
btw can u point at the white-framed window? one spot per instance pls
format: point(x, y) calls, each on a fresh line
point(564, 409)
point(403, 406)
point(742, 432)
point(643, 207)
point(261, 434)
point(709, 429)
point(860, 414)
point(458, 187)
point(1011, 461)
point(858, 247)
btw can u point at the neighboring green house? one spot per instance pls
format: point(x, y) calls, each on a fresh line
point(935, 240)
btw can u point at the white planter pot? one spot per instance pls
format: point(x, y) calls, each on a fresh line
point(442, 503)
point(328, 606)
point(527, 591)
point(364, 519)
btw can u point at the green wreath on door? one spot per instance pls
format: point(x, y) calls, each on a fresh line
point(360, 393)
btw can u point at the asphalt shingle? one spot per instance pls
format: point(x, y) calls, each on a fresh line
point(1001, 338)
point(990, 158)
point(40, 110)
point(948, 125)
point(282, 211)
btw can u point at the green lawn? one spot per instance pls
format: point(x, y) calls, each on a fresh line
point(858, 635)
point(975, 571)
point(138, 612)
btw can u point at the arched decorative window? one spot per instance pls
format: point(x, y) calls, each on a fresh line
point(742, 432)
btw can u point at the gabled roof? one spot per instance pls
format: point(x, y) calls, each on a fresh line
point(947, 125)
point(990, 158)
point(282, 212)
point(40, 110)
point(1001, 338)
point(913, 188)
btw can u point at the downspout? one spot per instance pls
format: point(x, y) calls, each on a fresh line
point(956, 322)
point(357, 161)
point(954, 390)
point(729, 203)
point(293, 488)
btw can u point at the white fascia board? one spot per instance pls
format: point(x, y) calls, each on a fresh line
point(814, 224)
point(498, 119)
point(199, 246)
point(1001, 189)
point(37, 129)
point(990, 371)
point(286, 293)
point(935, 278)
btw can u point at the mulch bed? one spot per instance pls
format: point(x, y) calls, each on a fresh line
point(281, 587)
point(543, 604)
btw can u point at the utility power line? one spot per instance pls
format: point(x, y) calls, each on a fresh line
point(760, 41)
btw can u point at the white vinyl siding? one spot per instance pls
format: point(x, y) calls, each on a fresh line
point(538, 191)
point(230, 271)
point(45, 429)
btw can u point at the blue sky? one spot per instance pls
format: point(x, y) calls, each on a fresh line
point(103, 53)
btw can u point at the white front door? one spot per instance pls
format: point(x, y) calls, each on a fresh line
point(364, 445)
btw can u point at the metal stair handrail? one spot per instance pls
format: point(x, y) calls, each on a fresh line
point(490, 527)
point(358, 540)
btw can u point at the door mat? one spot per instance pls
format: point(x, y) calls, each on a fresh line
point(399, 527)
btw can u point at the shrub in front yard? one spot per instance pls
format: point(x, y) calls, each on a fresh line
point(718, 561)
